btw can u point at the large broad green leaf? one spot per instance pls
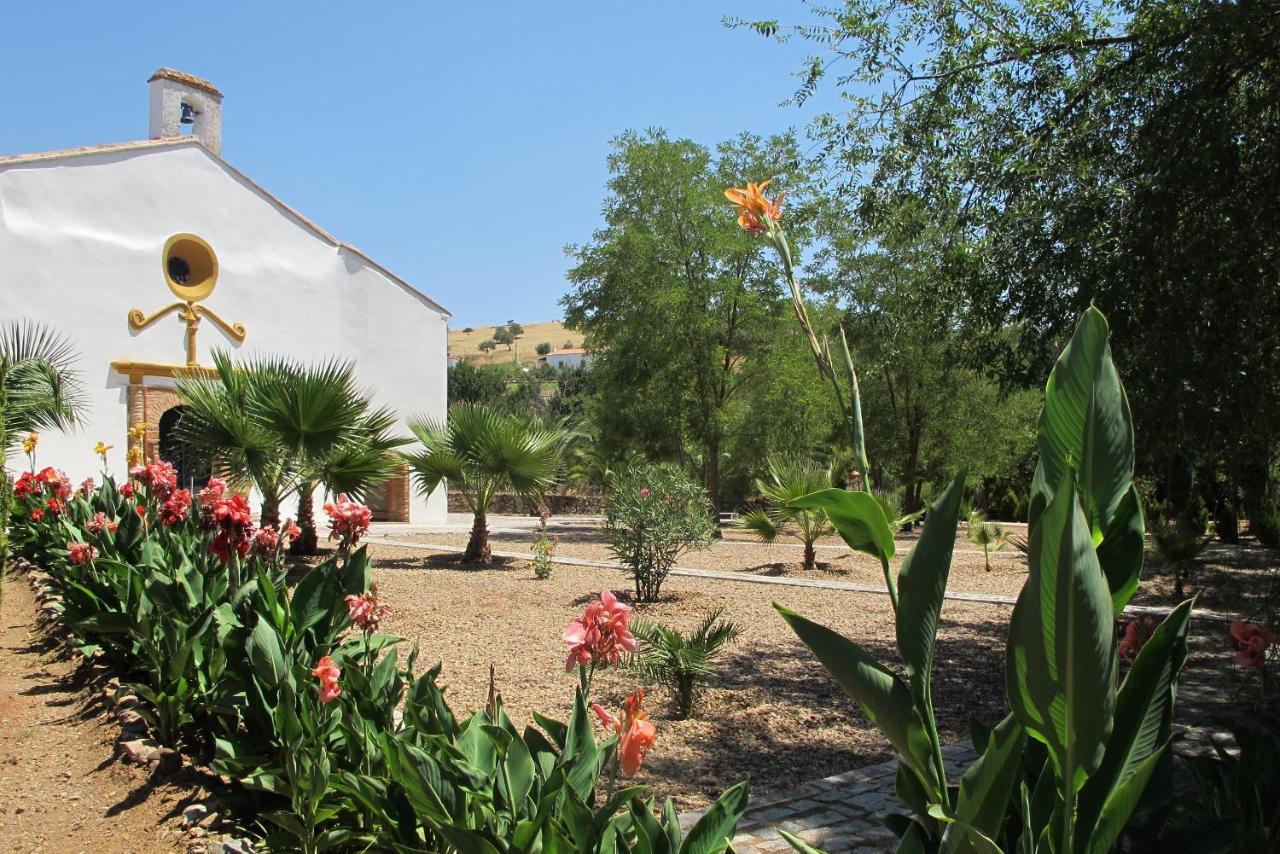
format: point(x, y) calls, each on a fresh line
point(1086, 429)
point(1122, 548)
point(884, 698)
point(986, 787)
point(266, 654)
point(712, 832)
point(1144, 714)
point(922, 585)
point(1061, 660)
point(856, 516)
point(1120, 804)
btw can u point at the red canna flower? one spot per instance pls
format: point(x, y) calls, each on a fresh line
point(233, 521)
point(601, 634)
point(37, 514)
point(328, 673)
point(127, 490)
point(1136, 635)
point(81, 553)
point(176, 507)
point(1251, 640)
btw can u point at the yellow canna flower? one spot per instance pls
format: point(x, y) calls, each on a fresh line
point(138, 431)
point(754, 207)
point(135, 456)
point(101, 450)
point(29, 443)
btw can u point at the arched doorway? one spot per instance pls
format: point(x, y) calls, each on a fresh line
point(192, 474)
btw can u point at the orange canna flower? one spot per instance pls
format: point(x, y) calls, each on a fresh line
point(754, 207)
point(636, 733)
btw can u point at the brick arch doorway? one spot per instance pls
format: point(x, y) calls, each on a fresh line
point(192, 473)
point(389, 501)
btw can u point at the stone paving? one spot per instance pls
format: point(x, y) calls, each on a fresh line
point(836, 814)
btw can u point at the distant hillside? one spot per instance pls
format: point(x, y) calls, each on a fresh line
point(464, 343)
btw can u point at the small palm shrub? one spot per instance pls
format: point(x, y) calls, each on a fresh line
point(1178, 545)
point(989, 535)
point(683, 663)
point(895, 510)
point(655, 513)
point(790, 478)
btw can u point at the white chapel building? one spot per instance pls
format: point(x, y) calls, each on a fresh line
point(120, 246)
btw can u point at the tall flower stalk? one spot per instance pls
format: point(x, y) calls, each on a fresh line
point(761, 215)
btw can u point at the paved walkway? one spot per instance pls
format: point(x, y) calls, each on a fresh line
point(837, 814)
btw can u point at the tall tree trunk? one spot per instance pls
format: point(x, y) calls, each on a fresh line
point(478, 550)
point(306, 543)
point(910, 474)
point(713, 479)
point(270, 514)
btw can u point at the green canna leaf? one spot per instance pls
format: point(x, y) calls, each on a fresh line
point(1086, 430)
point(884, 698)
point(1144, 713)
point(1060, 661)
point(266, 654)
point(921, 587)
point(986, 787)
point(1119, 805)
point(857, 517)
point(712, 832)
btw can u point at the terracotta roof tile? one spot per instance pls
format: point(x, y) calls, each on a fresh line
point(183, 77)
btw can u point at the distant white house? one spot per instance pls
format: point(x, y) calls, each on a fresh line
point(567, 358)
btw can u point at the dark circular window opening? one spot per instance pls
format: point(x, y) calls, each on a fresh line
point(179, 270)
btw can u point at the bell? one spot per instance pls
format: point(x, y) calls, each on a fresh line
point(188, 115)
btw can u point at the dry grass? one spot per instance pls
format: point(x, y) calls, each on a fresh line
point(466, 345)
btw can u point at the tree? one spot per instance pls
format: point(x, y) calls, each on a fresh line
point(543, 349)
point(470, 383)
point(515, 329)
point(40, 389)
point(286, 427)
point(502, 335)
point(40, 386)
point(669, 266)
point(791, 477)
point(480, 452)
point(487, 345)
point(1098, 153)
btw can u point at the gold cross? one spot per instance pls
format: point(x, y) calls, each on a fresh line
point(189, 313)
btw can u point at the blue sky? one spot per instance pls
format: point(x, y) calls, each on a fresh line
point(462, 146)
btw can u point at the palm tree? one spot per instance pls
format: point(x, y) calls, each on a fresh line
point(790, 477)
point(989, 535)
point(286, 427)
point(1179, 544)
point(40, 388)
point(682, 662)
point(482, 452)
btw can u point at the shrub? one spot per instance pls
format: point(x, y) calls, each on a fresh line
point(790, 478)
point(467, 329)
point(544, 547)
point(1178, 545)
point(989, 535)
point(543, 349)
point(655, 514)
point(1266, 527)
point(684, 663)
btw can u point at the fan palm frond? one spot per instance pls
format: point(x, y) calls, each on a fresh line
point(40, 386)
point(683, 663)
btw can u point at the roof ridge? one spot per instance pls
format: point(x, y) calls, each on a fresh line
point(37, 156)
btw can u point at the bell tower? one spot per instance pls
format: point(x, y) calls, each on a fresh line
point(180, 101)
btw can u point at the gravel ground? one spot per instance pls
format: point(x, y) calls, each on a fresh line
point(738, 553)
point(775, 715)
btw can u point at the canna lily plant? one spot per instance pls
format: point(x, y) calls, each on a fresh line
point(1069, 765)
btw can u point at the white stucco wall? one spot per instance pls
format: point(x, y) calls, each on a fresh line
point(81, 240)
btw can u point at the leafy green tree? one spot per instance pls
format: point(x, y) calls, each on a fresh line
point(487, 346)
point(543, 349)
point(669, 266)
point(470, 383)
point(1105, 153)
point(481, 452)
point(503, 335)
point(791, 477)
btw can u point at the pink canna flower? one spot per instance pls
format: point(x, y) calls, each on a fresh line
point(265, 541)
point(209, 497)
point(81, 553)
point(328, 672)
point(1251, 640)
point(161, 478)
point(290, 530)
point(644, 493)
point(87, 487)
point(176, 507)
point(366, 611)
point(600, 635)
point(348, 519)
